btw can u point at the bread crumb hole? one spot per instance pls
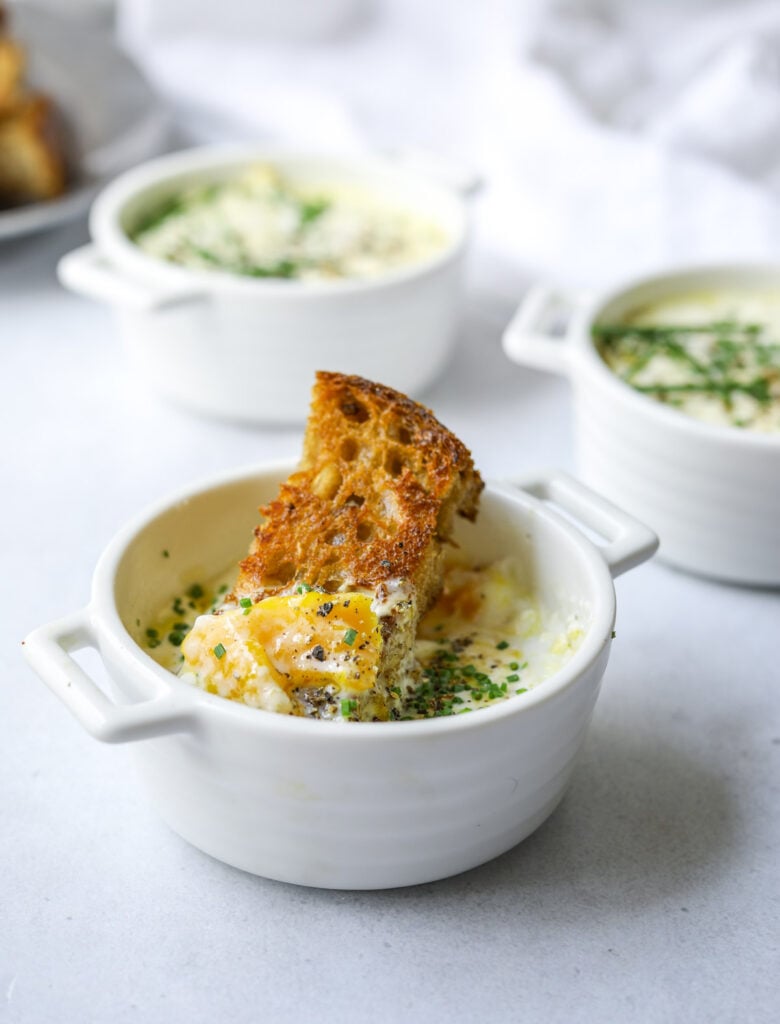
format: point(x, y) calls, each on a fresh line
point(354, 411)
point(365, 530)
point(355, 500)
point(349, 449)
point(400, 432)
point(394, 464)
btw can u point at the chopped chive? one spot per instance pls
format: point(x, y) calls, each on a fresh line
point(523, 690)
point(152, 634)
point(166, 553)
point(303, 588)
point(284, 268)
point(502, 645)
point(348, 707)
point(513, 679)
point(219, 650)
point(312, 209)
point(350, 636)
point(195, 591)
point(514, 666)
point(246, 604)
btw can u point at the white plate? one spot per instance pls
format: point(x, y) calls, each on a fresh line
point(113, 118)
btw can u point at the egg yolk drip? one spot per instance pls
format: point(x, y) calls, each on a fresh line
point(264, 652)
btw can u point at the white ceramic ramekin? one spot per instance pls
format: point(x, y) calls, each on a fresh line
point(247, 348)
point(337, 804)
point(712, 493)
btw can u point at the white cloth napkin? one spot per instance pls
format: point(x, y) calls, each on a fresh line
point(614, 137)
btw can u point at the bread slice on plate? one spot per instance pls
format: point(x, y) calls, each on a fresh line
point(11, 70)
point(350, 553)
point(31, 161)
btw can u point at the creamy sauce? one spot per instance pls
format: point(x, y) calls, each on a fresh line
point(261, 225)
point(713, 355)
point(486, 640)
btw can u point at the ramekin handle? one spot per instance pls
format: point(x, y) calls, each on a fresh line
point(87, 272)
point(529, 339)
point(628, 542)
point(48, 650)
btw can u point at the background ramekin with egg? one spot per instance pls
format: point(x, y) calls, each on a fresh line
point(711, 491)
point(246, 347)
point(351, 805)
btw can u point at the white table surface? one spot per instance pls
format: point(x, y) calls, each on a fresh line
point(650, 895)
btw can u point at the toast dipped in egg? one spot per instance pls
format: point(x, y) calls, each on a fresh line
point(324, 614)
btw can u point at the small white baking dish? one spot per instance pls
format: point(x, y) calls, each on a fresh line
point(247, 348)
point(711, 492)
point(336, 804)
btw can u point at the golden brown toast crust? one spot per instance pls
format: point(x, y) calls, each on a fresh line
point(375, 496)
point(11, 69)
point(31, 162)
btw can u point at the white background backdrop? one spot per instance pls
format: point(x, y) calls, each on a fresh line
point(651, 894)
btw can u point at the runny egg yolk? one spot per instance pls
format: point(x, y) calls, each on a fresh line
point(298, 640)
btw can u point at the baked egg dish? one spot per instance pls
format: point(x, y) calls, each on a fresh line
point(352, 603)
point(486, 639)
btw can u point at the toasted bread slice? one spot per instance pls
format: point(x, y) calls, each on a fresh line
point(11, 70)
point(32, 166)
point(374, 499)
point(370, 509)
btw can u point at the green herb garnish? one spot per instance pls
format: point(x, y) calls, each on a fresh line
point(350, 636)
point(174, 205)
point(348, 707)
point(312, 209)
point(220, 651)
point(283, 269)
point(721, 361)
